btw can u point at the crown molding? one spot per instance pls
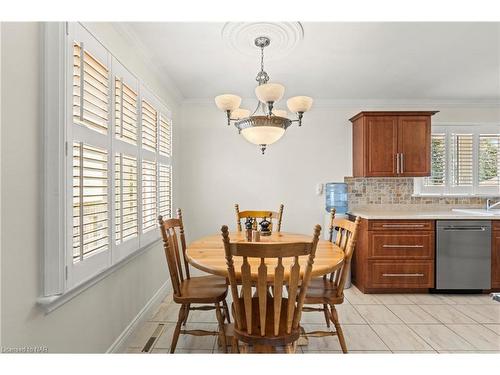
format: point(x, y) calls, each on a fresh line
point(145, 54)
point(375, 103)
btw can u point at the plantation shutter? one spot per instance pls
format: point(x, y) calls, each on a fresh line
point(165, 136)
point(149, 195)
point(461, 160)
point(165, 189)
point(489, 159)
point(90, 201)
point(149, 126)
point(126, 112)
point(90, 90)
point(126, 204)
point(438, 161)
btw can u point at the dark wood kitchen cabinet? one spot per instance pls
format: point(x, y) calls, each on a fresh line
point(495, 255)
point(394, 256)
point(392, 144)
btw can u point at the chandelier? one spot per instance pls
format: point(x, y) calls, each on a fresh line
point(267, 126)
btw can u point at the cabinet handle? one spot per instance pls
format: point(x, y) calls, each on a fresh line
point(402, 161)
point(403, 246)
point(397, 163)
point(402, 225)
point(403, 274)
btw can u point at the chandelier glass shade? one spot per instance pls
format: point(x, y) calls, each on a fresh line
point(268, 126)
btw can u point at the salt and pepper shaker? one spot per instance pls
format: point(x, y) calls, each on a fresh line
point(264, 227)
point(249, 228)
point(255, 236)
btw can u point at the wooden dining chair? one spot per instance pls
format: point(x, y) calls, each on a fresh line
point(262, 320)
point(271, 215)
point(328, 290)
point(209, 291)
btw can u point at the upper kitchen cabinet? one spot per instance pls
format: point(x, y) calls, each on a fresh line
point(392, 144)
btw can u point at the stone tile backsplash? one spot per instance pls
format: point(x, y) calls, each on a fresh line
point(397, 190)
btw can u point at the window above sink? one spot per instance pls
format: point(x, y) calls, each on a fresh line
point(465, 161)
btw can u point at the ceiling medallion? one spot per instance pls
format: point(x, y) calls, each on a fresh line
point(270, 124)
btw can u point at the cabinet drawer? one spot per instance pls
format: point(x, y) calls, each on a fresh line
point(402, 245)
point(400, 225)
point(401, 274)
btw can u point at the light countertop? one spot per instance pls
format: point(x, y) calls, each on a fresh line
point(412, 214)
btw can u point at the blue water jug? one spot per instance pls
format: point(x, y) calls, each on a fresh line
point(336, 197)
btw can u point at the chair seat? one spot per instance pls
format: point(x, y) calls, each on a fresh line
point(283, 338)
point(203, 289)
point(322, 291)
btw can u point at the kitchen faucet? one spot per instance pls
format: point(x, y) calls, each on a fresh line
point(489, 206)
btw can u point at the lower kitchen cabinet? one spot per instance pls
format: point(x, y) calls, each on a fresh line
point(395, 255)
point(495, 255)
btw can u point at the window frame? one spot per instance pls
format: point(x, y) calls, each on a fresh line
point(476, 129)
point(60, 274)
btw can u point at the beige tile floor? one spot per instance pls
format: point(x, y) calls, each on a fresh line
point(372, 323)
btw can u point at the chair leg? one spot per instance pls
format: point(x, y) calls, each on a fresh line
point(222, 334)
point(290, 349)
point(235, 347)
point(338, 328)
point(187, 314)
point(226, 311)
point(177, 331)
point(327, 315)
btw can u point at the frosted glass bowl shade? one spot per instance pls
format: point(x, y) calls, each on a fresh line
point(227, 102)
point(299, 103)
point(269, 92)
point(263, 135)
point(240, 113)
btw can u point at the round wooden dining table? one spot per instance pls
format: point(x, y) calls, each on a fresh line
point(207, 254)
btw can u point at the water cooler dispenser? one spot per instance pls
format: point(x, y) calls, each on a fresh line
point(336, 197)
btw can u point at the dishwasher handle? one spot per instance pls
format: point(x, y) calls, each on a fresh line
point(470, 229)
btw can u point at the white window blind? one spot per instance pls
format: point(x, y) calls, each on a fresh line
point(149, 195)
point(126, 204)
point(126, 112)
point(489, 160)
point(149, 126)
point(114, 165)
point(90, 201)
point(465, 160)
point(165, 136)
point(461, 159)
point(90, 89)
point(438, 161)
point(165, 188)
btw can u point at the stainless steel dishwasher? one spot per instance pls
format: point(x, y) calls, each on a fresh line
point(463, 254)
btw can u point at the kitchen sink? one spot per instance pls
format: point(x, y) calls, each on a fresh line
point(478, 211)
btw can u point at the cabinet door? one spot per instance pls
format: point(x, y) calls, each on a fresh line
point(381, 139)
point(495, 256)
point(414, 142)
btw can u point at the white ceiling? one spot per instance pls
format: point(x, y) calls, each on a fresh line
point(340, 61)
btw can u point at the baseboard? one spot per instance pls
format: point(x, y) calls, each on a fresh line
point(119, 345)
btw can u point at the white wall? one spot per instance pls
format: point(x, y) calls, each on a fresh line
point(220, 168)
point(95, 318)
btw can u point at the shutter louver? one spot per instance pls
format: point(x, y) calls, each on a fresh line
point(125, 112)
point(461, 160)
point(90, 200)
point(149, 126)
point(165, 138)
point(149, 198)
point(489, 159)
point(165, 190)
point(126, 220)
point(438, 161)
point(90, 90)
